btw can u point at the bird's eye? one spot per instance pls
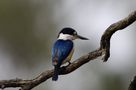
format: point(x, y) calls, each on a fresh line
point(75, 33)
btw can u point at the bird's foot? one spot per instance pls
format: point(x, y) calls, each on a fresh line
point(69, 63)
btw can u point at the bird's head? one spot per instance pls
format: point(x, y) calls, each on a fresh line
point(70, 34)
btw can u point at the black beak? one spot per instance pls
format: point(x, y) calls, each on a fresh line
point(81, 37)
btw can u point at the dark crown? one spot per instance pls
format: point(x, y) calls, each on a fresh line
point(68, 30)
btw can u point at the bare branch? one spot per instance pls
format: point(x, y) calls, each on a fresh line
point(103, 50)
point(105, 39)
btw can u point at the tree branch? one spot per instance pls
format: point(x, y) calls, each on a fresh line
point(103, 50)
point(132, 85)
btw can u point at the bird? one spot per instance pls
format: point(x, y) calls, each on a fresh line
point(63, 49)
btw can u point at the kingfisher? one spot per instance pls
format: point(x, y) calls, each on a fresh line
point(63, 49)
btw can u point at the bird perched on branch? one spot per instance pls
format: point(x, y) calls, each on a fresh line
point(63, 49)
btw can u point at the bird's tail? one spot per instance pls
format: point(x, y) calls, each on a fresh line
point(56, 73)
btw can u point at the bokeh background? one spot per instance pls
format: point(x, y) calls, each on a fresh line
point(28, 29)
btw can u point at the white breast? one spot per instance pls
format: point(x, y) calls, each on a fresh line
point(65, 36)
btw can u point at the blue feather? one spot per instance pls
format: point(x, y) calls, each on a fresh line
point(60, 52)
point(56, 73)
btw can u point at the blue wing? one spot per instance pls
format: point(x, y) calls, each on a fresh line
point(61, 50)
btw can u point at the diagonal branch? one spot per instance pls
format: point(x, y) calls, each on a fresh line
point(120, 25)
point(104, 49)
